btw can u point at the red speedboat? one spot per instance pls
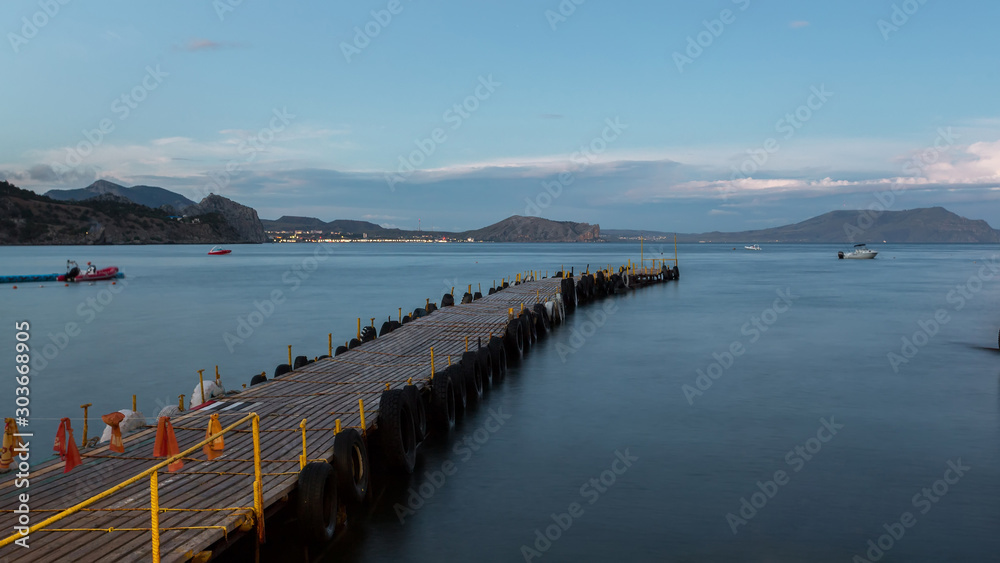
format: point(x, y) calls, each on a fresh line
point(92, 274)
point(218, 251)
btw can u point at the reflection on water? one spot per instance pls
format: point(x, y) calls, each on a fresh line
point(827, 357)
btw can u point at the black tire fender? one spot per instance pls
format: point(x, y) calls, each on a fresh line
point(485, 359)
point(316, 502)
point(472, 373)
point(300, 361)
point(396, 430)
point(258, 379)
point(419, 412)
point(282, 369)
point(350, 462)
point(514, 340)
point(442, 413)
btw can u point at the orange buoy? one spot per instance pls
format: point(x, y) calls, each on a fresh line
point(15, 287)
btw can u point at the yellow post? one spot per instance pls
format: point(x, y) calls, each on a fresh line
point(85, 407)
point(522, 307)
point(373, 322)
point(201, 382)
point(400, 314)
point(134, 409)
point(180, 402)
point(329, 344)
point(466, 343)
point(303, 457)
point(336, 427)
point(452, 291)
point(217, 374)
point(470, 289)
point(289, 355)
point(427, 303)
point(361, 409)
point(258, 484)
point(510, 313)
point(449, 360)
point(359, 328)
point(432, 362)
point(154, 510)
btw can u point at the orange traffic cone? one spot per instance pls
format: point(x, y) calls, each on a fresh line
point(66, 446)
point(113, 420)
point(10, 441)
point(214, 448)
point(165, 444)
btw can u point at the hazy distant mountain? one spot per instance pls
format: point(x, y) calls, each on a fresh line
point(535, 229)
point(932, 224)
point(293, 223)
point(149, 196)
point(512, 229)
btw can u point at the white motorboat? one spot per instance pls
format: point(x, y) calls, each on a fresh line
point(752, 247)
point(860, 252)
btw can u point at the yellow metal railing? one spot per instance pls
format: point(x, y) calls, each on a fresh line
point(155, 509)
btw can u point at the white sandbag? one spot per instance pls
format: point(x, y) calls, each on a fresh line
point(133, 421)
point(212, 390)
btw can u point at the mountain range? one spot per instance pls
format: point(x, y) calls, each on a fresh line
point(924, 225)
point(143, 195)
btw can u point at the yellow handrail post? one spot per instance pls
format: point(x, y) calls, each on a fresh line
point(217, 374)
point(180, 402)
point(432, 363)
point(154, 509)
point(289, 355)
point(361, 409)
point(336, 429)
point(258, 484)
point(303, 457)
point(85, 408)
point(134, 404)
point(400, 314)
point(466, 343)
point(329, 344)
point(359, 328)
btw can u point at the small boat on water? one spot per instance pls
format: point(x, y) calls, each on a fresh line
point(752, 247)
point(860, 252)
point(218, 251)
point(91, 274)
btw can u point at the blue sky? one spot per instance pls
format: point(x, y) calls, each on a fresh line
point(311, 118)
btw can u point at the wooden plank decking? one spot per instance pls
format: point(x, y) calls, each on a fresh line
point(321, 392)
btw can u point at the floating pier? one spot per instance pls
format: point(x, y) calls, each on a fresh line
point(306, 439)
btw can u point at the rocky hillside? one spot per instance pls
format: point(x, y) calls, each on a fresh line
point(29, 218)
point(149, 196)
point(240, 218)
point(536, 229)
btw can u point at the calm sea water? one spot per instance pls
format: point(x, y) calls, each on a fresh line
point(610, 386)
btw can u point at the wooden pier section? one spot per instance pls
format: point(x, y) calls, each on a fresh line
point(205, 506)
